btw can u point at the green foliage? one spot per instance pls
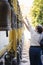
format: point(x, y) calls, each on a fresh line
point(37, 12)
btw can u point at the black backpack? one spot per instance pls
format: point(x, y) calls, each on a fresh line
point(41, 43)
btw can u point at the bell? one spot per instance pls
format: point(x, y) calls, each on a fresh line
point(5, 15)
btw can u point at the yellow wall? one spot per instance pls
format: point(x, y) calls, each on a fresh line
point(15, 6)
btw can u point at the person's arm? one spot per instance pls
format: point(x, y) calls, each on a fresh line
point(25, 24)
point(28, 25)
point(27, 21)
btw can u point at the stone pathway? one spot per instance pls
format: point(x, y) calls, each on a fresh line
point(25, 54)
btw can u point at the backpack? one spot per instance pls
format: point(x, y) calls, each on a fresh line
point(41, 43)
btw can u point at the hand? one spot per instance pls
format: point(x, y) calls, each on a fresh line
point(27, 19)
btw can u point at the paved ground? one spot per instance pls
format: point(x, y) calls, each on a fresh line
point(25, 51)
point(25, 54)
